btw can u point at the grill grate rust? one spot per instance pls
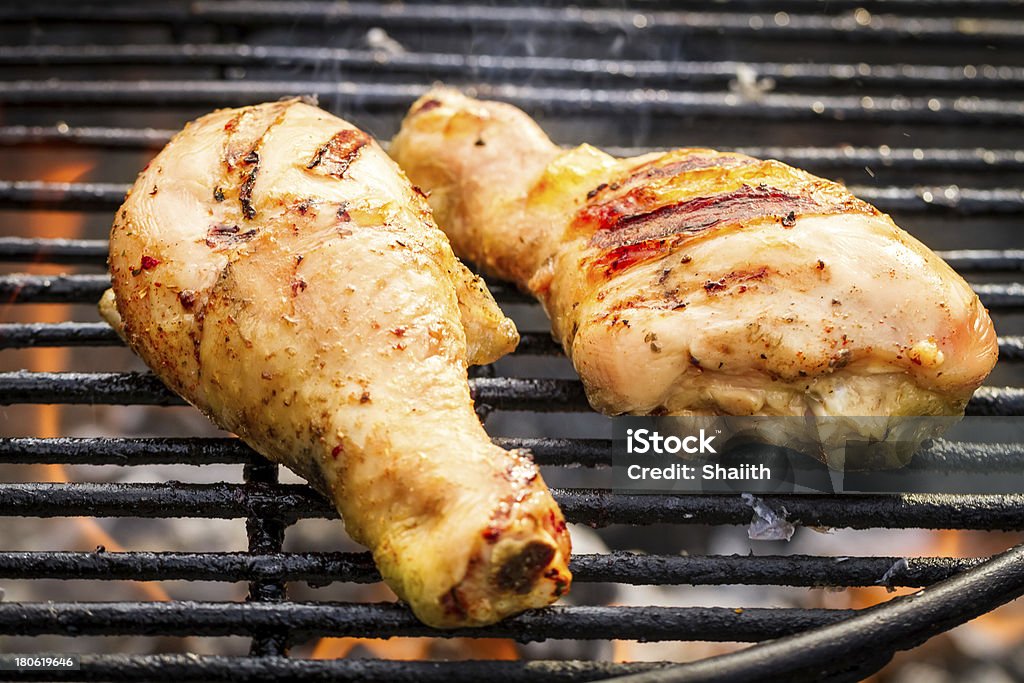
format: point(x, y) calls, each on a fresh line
point(948, 73)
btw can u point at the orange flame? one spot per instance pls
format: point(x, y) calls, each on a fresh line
point(418, 648)
point(52, 225)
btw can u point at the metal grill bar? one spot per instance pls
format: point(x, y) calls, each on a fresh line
point(501, 393)
point(35, 194)
point(208, 451)
point(881, 28)
point(265, 534)
point(384, 620)
point(919, 616)
point(87, 289)
point(1001, 296)
point(127, 451)
point(916, 158)
point(98, 136)
point(31, 249)
point(962, 78)
point(134, 668)
point(941, 455)
point(24, 335)
point(122, 10)
point(94, 252)
point(1011, 348)
point(29, 335)
point(903, 158)
point(984, 260)
point(598, 507)
point(109, 196)
point(614, 567)
point(24, 288)
point(28, 249)
point(773, 106)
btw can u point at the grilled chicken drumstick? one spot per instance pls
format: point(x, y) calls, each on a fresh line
point(698, 283)
point(277, 270)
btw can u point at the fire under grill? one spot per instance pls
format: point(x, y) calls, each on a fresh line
point(918, 106)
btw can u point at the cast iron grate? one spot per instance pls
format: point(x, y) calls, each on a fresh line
point(932, 72)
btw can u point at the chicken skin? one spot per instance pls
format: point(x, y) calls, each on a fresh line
point(695, 282)
point(277, 270)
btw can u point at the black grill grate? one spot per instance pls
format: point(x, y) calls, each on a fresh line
point(918, 105)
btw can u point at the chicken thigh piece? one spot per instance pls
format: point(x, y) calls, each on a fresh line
point(695, 282)
point(277, 270)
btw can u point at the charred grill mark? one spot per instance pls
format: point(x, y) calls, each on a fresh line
point(427, 106)
point(227, 235)
point(336, 155)
point(318, 156)
point(250, 161)
point(237, 142)
point(522, 570)
point(232, 151)
point(245, 192)
point(701, 213)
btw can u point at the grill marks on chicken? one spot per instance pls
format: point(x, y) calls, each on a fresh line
point(630, 223)
point(316, 311)
point(337, 154)
point(616, 227)
point(640, 207)
point(701, 282)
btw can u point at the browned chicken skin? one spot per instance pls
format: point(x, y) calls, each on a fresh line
point(275, 268)
point(695, 282)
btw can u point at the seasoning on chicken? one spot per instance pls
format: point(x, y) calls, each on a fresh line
point(277, 270)
point(695, 282)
